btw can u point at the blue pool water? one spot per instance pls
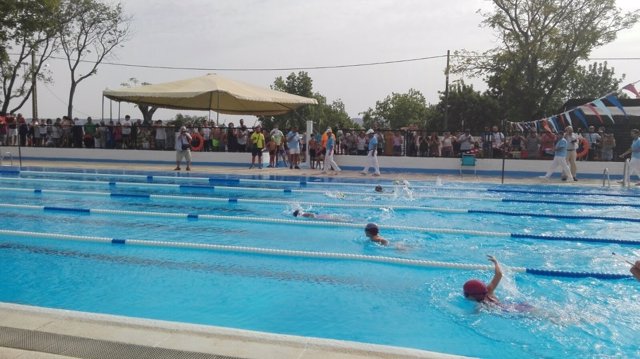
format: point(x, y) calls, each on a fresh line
point(383, 303)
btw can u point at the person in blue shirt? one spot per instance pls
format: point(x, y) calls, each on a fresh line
point(372, 154)
point(329, 162)
point(559, 159)
point(634, 164)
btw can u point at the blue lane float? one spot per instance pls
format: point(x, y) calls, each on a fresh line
point(281, 221)
point(563, 193)
point(311, 254)
point(572, 203)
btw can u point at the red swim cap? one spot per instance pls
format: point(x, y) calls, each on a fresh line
point(475, 289)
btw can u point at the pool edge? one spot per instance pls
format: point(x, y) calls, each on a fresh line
point(193, 337)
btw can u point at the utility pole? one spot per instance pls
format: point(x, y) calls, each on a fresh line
point(34, 89)
point(446, 95)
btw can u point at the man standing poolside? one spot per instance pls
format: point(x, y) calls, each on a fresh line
point(293, 142)
point(183, 148)
point(257, 139)
point(372, 155)
point(572, 147)
point(559, 159)
point(329, 162)
point(634, 164)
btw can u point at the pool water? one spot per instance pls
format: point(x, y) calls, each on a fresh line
point(382, 303)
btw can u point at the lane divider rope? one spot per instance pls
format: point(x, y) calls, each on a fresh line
point(308, 254)
point(349, 205)
point(311, 222)
point(306, 182)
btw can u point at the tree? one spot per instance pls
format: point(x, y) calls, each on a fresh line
point(89, 31)
point(398, 110)
point(323, 114)
point(27, 40)
point(593, 81)
point(147, 111)
point(541, 43)
point(467, 109)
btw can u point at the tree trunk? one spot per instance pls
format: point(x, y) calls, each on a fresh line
point(72, 92)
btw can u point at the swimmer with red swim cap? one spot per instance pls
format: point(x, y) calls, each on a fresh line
point(475, 289)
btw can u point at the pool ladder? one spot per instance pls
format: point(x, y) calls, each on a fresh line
point(625, 174)
point(606, 179)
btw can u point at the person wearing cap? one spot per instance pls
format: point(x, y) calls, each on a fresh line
point(475, 289)
point(329, 162)
point(257, 139)
point(559, 159)
point(183, 148)
point(634, 150)
point(372, 154)
point(372, 232)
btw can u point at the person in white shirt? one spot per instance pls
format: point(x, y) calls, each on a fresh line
point(183, 148)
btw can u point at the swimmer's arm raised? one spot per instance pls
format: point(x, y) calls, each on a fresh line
point(497, 275)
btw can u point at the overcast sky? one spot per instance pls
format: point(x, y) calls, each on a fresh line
point(243, 34)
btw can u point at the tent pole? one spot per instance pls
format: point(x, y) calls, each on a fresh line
point(218, 111)
point(102, 118)
point(210, 103)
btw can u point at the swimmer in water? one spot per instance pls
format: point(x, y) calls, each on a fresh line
point(372, 232)
point(379, 189)
point(327, 217)
point(635, 270)
point(475, 289)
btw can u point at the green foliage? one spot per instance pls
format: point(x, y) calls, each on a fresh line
point(187, 120)
point(467, 109)
point(323, 114)
point(398, 110)
point(27, 32)
point(593, 81)
point(542, 42)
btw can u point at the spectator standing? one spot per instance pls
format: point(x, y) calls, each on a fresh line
point(634, 150)
point(532, 145)
point(126, 132)
point(232, 140)
point(434, 145)
point(329, 162)
point(372, 155)
point(572, 147)
point(361, 144)
point(90, 132)
point(547, 143)
point(447, 145)
point(466, 141)
point(257, 141)
point(277, 137)
point(242, 134)
point(183, 148)
point(607, 145)
point(398, 141)
point(293, 142)
point(594, 140)
point(497, 142)
point(486, 143)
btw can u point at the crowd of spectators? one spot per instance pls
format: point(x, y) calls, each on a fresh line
point(135, 134)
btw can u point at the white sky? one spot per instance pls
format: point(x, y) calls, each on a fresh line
point(296, 33)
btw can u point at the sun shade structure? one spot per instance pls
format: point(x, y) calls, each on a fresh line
point(212, 92)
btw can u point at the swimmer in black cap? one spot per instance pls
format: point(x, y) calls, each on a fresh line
point(372, 232)
point(379, 189)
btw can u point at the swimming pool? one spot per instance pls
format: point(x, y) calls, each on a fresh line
point(204, 259)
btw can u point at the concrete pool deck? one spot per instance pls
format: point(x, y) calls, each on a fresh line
point(178, 340)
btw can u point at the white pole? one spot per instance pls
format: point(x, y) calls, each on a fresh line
point(308, 135)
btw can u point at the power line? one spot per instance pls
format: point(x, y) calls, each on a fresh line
point(263, 69)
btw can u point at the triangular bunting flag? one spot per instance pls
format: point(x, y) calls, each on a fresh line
point(614, 101)
point(568, 119)
point(552, 121)
point(578, 112)
point(595, 111)
point(632, 89)
point(602, 107)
